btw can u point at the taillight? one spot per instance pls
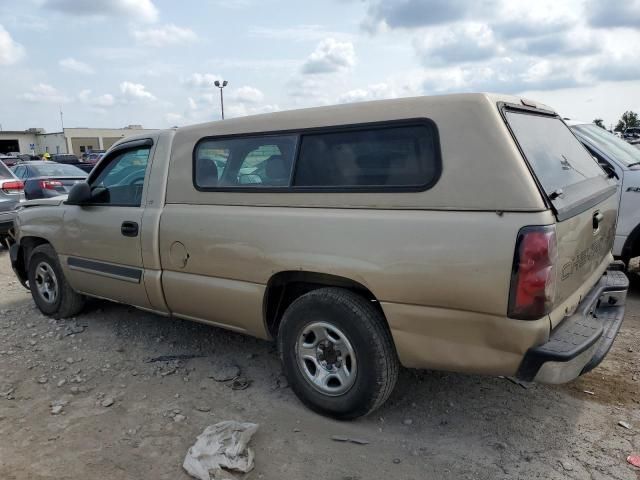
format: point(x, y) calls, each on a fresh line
point(50, 184)
point(533, 274)
point(13, 186)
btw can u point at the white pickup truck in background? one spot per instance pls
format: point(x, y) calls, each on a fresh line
point(621, 160)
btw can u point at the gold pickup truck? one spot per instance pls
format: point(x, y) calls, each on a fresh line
point(469, 233)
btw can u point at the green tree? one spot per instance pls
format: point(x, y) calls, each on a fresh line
point(629, 119)
point(599, 122)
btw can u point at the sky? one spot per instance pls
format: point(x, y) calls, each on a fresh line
point(111, 63)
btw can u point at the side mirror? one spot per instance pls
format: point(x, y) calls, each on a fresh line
point(80, 193)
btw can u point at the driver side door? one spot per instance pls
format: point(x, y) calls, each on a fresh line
point(102, 245)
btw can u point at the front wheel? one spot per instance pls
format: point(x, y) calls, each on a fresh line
point(337, 353)
point(49, 289)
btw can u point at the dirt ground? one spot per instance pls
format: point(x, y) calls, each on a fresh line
point(124, 413)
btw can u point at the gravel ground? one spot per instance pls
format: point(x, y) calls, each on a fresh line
point(92, 397)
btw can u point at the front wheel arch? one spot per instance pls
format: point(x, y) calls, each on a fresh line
point(67, 302)
point(21, 261)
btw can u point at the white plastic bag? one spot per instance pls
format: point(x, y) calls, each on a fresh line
point(221, 446)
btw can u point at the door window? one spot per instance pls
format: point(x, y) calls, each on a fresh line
point(121, 182)
point(245, 162)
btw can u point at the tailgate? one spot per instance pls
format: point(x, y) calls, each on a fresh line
point(583, 198)
point(582, 248)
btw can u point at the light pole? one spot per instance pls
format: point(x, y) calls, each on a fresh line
point(221, 86)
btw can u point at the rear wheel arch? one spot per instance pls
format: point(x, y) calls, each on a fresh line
point(285, 287)
point(337, 352)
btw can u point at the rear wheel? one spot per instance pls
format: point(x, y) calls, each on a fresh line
point(337, 353)
point(49, 289)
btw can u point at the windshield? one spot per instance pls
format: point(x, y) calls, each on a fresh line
point(58, 170)
point(607, 142)
point(553, 152)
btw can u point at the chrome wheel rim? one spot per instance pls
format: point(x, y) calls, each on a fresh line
point(326, 358)
point(46, 282)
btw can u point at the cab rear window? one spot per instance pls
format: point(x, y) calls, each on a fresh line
point(555, 155)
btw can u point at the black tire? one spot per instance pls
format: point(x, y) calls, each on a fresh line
point(67, 302)
point(366, 330)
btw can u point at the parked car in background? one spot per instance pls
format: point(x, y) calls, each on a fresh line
point(361, 237)
point(25, 157)
point(93, 155)
point(93, 158)
point(622, 162)
point(632, 135)
point(9, 160)
point(67, 158)
point(11, 193)
point(70, 159)
point(47, 179)
point(86, 167)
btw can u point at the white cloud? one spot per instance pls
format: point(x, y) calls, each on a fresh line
point(205, 107)
point(242, 110)
point(10, 51)
point(384, 15)
point(44, 93)
point(174, 119)
point(620, 14)
point(330, 56)
point(163, 36)
point(297, 33)
point(233, 5)
point(377, 91)
point(309, 90)
point(101, 101)
point(105, 100)
point(247, 95)
point(506, 75)
point(135, 91)
point(140, 10)
point(77, 66)
point(26, 21)
point(204, 81)
point(467, 42)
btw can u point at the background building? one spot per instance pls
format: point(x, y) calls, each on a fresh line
point(70, 140)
